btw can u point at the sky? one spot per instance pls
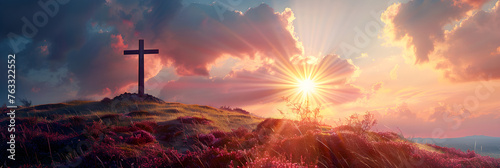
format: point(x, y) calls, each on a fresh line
point(425, 68)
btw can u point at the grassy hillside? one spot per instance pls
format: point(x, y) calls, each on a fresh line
point(483, 145)
point(130, 133)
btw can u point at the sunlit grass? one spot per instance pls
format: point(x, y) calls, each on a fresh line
point(227, 138)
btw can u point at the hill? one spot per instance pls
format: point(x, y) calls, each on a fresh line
point(483, 145)
point(128, 131)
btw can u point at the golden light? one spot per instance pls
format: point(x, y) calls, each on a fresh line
point(316, 81)
point(306, 86)
point(312, 78)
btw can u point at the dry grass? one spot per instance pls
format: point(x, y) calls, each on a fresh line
point(156, 135)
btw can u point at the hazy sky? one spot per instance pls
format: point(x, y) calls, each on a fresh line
point(429, 68)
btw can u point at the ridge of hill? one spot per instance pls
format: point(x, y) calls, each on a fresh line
point(484, 145)
point(136, 131)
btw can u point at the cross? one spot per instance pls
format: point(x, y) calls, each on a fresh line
point(141, 53)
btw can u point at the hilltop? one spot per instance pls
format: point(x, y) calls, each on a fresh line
point(131, 131)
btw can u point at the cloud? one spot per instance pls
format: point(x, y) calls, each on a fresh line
point(401, 111)
point(65, 31)
point(377, 86)
point(199, 38)
point(190, 39)
point(420, 23)
point(111, 70)
point(394, 72)
point(470, 51)
point(240, 90)
point(363, 55)
point(41, 62)
point(86, 40)
point(83, 54)
point(441, 124)
point(124, 23)
point(118, 42)
point(265, 84)
point(467, 52)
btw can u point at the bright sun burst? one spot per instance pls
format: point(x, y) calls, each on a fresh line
point(306, 86)
point(319, 83)
point(316, 83)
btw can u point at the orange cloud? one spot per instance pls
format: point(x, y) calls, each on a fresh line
point(118, 43)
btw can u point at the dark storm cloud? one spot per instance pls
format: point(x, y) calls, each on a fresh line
point(66, 30)
point(70, 48)
point(100, 65)
point(63, 32)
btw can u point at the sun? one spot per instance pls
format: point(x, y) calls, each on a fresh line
point(306, 86)
point(313, 84)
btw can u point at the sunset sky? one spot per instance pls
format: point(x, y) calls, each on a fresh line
point(429, 68)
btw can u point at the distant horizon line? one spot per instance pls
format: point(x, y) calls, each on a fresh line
point(455, 137)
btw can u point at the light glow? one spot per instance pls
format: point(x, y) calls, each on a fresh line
point(306, 86)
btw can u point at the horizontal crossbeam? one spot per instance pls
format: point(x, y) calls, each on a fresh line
point(135, 52)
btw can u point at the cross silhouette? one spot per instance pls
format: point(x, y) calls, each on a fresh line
point(141, 53)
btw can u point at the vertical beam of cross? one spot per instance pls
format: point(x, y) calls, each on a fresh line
point(141, 53)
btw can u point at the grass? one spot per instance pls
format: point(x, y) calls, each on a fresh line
point(178, 135)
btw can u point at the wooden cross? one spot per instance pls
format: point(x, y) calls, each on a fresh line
point(141, 53)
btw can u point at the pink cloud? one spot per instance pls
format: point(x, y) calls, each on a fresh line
point(475, 3)
point(198, 38)
point(377, 86)
point(468, 52)
point(118, 43)
point(241, 88)
point(442, 124)
point(420, 23)
point(471, 50)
